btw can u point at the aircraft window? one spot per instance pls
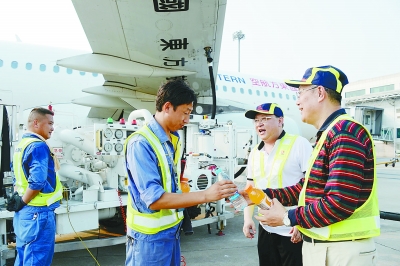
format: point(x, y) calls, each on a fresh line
point(69, 71)
point(273, 94)
point(250, 92)
point(1, 63)
point(42, 67)
point(224, 88)
point(56, 69)
point(95, 74)
point(265, 94)
point(216, 87)
point(294, 98)
point(82, 73)
point(28, 66)
point(233, 89)
point(287, 96)
point(258, 92)
point(280, 95)
point(14, 64)
point(241, 90)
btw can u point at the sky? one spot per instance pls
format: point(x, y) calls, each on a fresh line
point(282, 38)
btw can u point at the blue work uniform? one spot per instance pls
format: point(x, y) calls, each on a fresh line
point(145, 187)
point(35, 227)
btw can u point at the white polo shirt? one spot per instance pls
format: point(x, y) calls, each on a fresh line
point(294, 169)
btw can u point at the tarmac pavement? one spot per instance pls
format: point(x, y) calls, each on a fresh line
point(233, 248)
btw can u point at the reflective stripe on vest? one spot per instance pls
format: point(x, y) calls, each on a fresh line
point(41, 199)
point(152, 223)
point(274, 178)
point(363, 223)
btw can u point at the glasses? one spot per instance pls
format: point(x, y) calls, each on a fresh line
point(298, 93)
point(262, 120)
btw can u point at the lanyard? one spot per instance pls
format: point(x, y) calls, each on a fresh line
point(170, 158)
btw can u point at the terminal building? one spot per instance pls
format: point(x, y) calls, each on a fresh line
point(376, 103)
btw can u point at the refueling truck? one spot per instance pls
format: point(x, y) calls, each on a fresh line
point(93, 175)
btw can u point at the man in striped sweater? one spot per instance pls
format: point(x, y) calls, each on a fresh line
point(337, 211)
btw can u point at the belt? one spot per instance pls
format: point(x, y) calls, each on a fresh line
point(311, 240)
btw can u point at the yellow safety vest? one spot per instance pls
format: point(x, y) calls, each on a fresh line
point(41, 199)
point(152, 223)
point(274, 178)
point(363, 223)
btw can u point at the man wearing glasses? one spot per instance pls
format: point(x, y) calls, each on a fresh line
point(337, 211)
point(280, 160)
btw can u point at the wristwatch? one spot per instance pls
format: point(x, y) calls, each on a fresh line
point(286, 220)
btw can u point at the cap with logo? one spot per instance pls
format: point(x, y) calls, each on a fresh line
point(329, 77)
point(266, 108)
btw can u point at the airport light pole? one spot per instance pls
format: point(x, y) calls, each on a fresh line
point(238, 35)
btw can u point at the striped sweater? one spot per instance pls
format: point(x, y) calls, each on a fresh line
point(340, 180)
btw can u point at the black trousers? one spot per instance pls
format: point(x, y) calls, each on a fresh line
point(277, 250)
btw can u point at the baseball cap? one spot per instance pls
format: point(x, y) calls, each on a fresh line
point(329, 77)
point(266, 108)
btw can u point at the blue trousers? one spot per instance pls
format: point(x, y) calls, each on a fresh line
point(35, 228)
point(161, 249)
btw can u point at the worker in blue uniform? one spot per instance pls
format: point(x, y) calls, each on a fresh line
point(154, 214)
point(37, 192)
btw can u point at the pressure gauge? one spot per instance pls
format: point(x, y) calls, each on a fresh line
point(107, 147)
point(119, 147)
point(108, 133)
point(119, 134)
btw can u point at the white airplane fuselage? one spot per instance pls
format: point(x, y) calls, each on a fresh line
point(31, 78)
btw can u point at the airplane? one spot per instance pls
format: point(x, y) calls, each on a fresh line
point(30, 77)
point(141, 44)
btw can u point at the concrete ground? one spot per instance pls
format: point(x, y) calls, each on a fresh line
point(233, 248)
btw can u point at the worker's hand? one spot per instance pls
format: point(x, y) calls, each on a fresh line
point(273, 216)
point(296, 235)
point(220, 190)
point(246, 197)
point(15, 203)
point(249, 229)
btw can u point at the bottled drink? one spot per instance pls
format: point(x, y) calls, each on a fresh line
point(258, 197)
point(185, 187)
point(236, 199)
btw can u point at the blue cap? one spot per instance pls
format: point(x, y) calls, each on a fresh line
point(266, 108)
point(327, 76)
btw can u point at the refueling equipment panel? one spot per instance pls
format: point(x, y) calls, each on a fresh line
point(110, 138)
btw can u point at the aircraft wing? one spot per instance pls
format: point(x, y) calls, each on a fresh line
point(139, 44)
